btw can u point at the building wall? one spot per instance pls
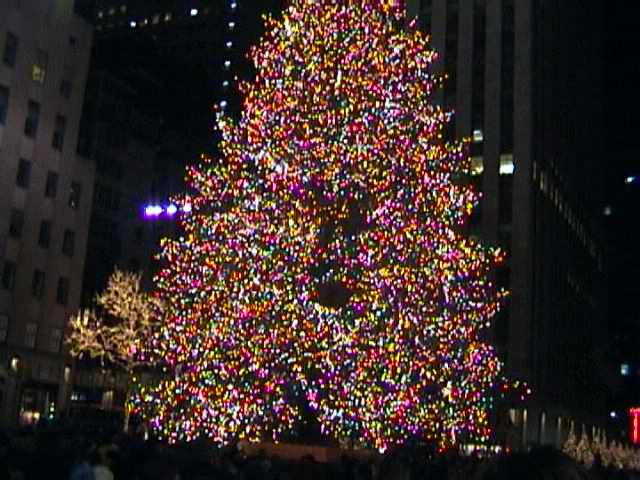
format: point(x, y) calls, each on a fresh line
point(522, 78)
point(49, 34)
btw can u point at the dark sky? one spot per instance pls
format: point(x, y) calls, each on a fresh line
point(622, 114)
point(621, 80)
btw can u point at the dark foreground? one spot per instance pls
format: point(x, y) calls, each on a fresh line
point(94, 456)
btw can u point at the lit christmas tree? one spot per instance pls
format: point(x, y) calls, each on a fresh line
point(322, 256)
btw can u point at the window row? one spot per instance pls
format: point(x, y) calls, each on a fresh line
point(32, 121)
point(38, 282)
point(23, 180)
point(54, 339)
point(16, 227)
point(40, 65)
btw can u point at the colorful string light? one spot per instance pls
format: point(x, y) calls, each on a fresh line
point(323, 257)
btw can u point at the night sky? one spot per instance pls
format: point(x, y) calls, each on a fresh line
point(622, 106)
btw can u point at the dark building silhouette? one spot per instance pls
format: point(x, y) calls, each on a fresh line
point(197, 48)
point(525, 83)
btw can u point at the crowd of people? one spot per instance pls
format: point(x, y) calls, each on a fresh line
point(98, 455)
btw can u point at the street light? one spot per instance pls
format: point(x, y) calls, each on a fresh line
point(14, 364)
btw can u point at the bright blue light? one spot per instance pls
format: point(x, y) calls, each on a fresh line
point(153, 210)
point(171, 210)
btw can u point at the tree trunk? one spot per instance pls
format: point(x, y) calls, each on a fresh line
point(125, 427)
point(127, 410)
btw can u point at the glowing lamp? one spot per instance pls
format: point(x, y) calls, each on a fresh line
point(153, 211)
point(193, 12)
point(171, 210)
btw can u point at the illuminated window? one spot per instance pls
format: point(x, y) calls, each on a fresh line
point(112, 11)
point(123, 9)
point(155, 19)
point(100, 14)
point(74, 195)
point(624, 369)
point(107, 400)
point(506, 164)
point(39, 69)
point(231, 25)
point(193, 12)
point(14, 364)
point(132, 24)
point(478, 136)
point(477, 166)
point(227, 64)
point(168, 16)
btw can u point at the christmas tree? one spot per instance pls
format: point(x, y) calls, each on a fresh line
point(322, 257)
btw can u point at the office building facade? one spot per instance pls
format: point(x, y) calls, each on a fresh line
point(523, 81)
point(45, 201)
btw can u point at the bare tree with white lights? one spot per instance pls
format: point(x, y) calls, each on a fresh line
point(117, 330)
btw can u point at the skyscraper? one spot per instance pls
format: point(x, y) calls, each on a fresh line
point(45, 200)
point(198, 49)
point(524, 80)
